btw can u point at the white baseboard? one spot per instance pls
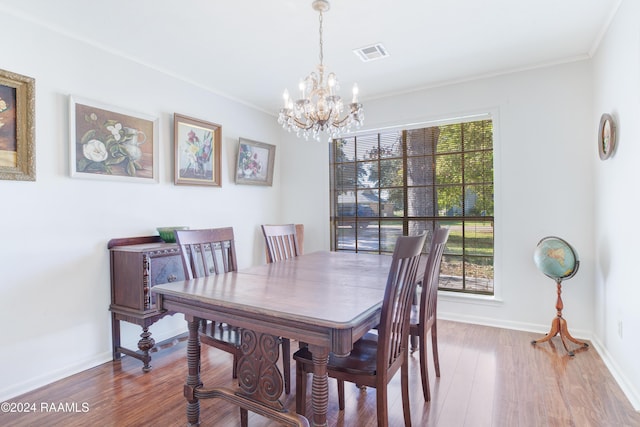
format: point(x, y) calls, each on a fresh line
point(627, 388)
point(31, 384)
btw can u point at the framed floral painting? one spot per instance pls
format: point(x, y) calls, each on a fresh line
point(255, 162)
point(197, 151)
point(17, 127)
point(112, 143)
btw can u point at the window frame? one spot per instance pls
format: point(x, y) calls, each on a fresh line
point(405, 218)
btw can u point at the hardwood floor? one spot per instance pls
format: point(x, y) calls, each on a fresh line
point(489, 377)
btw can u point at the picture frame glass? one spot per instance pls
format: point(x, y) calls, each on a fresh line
point(8, 136)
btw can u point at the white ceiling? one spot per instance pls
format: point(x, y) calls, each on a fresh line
point(251, 50)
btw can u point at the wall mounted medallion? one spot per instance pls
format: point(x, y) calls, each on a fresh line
point(606, 137)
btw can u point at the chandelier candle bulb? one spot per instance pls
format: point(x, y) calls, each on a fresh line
point(355, 93)
point(332, 83)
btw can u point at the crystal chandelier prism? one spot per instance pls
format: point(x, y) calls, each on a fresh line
point(319, 110)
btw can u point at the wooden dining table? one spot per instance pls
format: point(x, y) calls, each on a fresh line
point(327, 300)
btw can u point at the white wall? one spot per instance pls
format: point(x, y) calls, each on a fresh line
point(54, 291)
point(305, 196)
point(617, 290)
point(543, 185)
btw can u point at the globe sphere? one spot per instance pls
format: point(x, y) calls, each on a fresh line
point(556, 258)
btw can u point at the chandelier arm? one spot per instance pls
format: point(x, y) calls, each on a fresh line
point(345, 119)
point(339, 123)
point(302, 125)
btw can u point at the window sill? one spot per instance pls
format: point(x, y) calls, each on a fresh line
point(459, 297)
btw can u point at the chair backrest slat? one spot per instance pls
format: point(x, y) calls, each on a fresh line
point(430, 281)
point(206, 252)
point(394, 319)
point(281, 242)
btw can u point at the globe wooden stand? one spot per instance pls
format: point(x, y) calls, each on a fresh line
point(559, 326)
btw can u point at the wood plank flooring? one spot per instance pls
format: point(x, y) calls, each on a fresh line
point(489, 377)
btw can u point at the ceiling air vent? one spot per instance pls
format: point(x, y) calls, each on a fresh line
point(372, 52)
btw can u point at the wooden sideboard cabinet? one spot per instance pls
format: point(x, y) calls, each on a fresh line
point(138, 264)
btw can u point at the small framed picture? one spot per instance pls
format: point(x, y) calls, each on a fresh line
point(606, 136)
point(197, 151)
point(112, 143)
point(17, 127)
point(255, 163)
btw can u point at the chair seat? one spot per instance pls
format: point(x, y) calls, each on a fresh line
point(361, 360)
point(222, 334)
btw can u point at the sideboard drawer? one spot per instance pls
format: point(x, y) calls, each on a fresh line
point(136, 269)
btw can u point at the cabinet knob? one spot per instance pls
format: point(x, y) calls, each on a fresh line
point(172, 278)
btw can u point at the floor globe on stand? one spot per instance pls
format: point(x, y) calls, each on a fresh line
point(558, 260)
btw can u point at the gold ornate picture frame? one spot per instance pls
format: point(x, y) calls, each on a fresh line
point(17, 127)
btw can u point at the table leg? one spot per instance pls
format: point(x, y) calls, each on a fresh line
point(320, 386)
point(258, 373)
point(261, 383)
point(193, 375)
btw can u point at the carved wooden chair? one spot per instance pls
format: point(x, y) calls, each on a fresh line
point(282, 243)
point(206, 252)
point(376, 358)
point(423, 315)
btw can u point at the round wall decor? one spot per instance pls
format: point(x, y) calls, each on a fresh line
point(606, 136)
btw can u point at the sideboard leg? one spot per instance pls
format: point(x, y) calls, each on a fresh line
point(145, 344)
point(115, 337)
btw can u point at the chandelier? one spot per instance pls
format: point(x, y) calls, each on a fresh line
point(320, 109)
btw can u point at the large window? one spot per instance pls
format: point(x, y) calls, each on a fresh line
point(394, 183)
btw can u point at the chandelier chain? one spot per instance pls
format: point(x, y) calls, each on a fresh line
point(321, 43)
